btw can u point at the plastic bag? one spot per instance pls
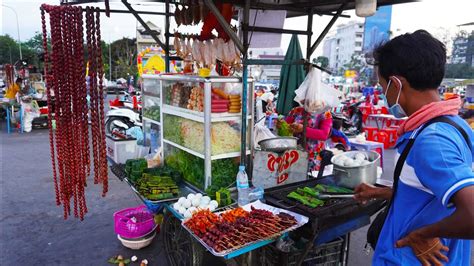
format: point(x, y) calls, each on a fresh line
point(261, 132)
point(316, 96)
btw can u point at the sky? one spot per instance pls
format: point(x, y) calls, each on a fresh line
point(436, 16)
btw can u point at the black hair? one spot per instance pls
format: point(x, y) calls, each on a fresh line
point(418, 57)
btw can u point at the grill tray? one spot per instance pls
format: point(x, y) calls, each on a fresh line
point(334, 211)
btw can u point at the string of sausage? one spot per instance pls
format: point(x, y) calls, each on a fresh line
point(64, 68)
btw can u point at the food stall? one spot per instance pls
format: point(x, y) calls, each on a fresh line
point(188, 115)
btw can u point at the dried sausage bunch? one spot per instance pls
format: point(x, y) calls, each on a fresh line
point(67, 89)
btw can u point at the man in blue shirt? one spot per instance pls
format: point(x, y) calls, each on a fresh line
point(431, 217)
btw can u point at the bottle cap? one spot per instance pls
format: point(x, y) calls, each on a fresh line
point(242, 168)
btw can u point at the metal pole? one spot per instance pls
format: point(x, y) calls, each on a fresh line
point(110, 62)
point(17, 28)
point(207, 134)
point(308, 56)
point(243, 135)
point(328, 27)
point(10, 48)
point(167, 38)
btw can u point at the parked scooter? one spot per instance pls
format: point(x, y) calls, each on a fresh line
point(119, 119)
point(351, 117)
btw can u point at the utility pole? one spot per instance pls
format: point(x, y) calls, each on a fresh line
point(17, 28)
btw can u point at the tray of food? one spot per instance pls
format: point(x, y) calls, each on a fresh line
point(242, 229)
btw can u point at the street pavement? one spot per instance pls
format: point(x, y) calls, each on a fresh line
point(32, 229)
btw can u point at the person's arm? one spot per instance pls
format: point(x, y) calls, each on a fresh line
point(443, 165)
point(321, 133)
point(462, 218)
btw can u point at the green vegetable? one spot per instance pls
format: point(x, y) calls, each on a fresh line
point(306, 200)
point(192, 169)
point(332, 189)
point(284, 129)
point(311, 191)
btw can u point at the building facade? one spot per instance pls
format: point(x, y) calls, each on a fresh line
point(346, 41)
point(463, 49)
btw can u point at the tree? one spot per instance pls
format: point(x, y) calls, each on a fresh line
point(356, 63)
point(322, 61)
point(464, 71)
point(9, 51)
point(124, 57)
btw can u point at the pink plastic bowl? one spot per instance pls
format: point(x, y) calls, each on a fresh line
point(134, 222)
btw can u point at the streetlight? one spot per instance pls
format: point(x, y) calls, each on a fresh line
point(17, 27)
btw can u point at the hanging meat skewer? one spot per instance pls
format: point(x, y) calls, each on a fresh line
point(65, 76)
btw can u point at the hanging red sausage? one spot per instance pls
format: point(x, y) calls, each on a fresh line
point(67, 90)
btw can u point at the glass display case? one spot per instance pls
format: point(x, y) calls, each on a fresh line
point(201, 122)
point(151, 111)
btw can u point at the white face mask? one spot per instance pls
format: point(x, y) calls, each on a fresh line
point(396, 109)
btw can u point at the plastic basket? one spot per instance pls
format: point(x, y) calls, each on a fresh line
point(133, 222)
point(328, 254)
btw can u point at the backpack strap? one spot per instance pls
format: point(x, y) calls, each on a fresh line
point(411, 141)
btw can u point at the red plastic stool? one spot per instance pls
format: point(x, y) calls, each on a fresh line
point(370, 132)
point(392, 135)
point(382, 137)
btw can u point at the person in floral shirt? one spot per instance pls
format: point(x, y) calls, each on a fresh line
point(317, 132)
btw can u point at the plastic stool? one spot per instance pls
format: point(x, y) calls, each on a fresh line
point(382, 137)
point(370, 132)
point(392, 135)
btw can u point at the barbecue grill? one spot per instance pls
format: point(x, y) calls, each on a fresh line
point(334, 213)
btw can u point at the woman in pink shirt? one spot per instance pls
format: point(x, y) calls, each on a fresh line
point(317, 132)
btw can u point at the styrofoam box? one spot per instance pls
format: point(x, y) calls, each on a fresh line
point(121, 150)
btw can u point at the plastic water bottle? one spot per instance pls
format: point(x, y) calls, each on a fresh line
point(154, 140)
point(242, 186)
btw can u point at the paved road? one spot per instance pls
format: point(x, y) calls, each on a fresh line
point(33, 232)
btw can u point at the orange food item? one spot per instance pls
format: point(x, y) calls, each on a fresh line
point(232, 215)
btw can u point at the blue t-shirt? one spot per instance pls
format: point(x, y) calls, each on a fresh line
point(438, 165)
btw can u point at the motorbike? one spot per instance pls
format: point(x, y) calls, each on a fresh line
point(351, 117)
point(119, 119)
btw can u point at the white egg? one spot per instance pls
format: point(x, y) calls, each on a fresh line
point(187, 203)
point(205, 199)
point(182, 210)
point(192, 209)
point(203, 205)
point(181, 200)
point(339, 161)
point(214, 203)
point(196, 201)
point(348, 162)
point(187, 214)
point(191, 196)
point(198, 195)
point(212, 208)
point(364, 162)
point(359, 156)
point(176, 206)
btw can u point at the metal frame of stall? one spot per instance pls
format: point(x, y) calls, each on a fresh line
point(294, 8)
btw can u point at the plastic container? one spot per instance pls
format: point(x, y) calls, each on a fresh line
point(121, 150)
point(134, 222)
point(242, 182)
point(137, 244)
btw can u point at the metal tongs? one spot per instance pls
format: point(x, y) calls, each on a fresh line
point(334, 196)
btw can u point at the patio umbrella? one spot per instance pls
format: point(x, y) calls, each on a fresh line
point(291, 76)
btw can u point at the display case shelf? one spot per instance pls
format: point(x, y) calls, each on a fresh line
point(151, 94)
point(146, 119)
point(199, 116)
point(200, 155)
